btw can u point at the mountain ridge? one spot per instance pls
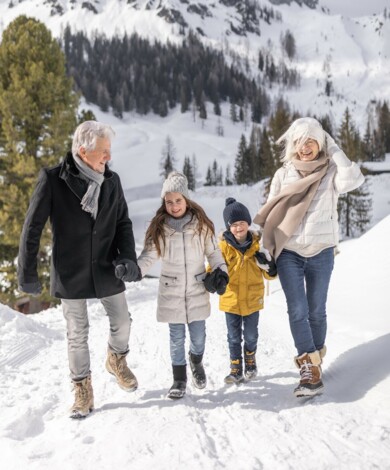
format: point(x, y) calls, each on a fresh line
point(333, 77)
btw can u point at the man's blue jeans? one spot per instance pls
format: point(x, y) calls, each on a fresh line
point(305, 283)
point(177, 336)
point(239, 326)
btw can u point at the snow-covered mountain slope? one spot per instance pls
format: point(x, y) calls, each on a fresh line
point(349, 50)
point(137, 152)
point(259, 424)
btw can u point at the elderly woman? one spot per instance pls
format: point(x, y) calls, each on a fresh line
point(300, 230)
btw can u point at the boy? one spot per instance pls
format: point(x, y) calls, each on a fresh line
point(247, 266)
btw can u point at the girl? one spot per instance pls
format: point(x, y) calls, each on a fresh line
point(182, 235)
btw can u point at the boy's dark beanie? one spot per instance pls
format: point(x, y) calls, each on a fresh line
point(235, 211)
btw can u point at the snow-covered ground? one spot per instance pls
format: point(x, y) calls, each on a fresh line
point(257, 425)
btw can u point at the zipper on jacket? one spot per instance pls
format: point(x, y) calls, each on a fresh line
point(185, 273)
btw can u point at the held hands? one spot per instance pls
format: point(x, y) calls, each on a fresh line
point(216, 281)
point(127, 271)
point(266, 262)
point(32, 288)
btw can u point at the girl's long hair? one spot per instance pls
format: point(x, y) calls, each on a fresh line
point(155, 234)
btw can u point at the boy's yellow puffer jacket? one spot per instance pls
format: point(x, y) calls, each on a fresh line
point(245, 291)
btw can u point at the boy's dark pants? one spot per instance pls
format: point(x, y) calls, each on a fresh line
point(239, 326)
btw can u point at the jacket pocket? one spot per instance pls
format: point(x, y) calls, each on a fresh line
point(168, 281)
point(201, 276)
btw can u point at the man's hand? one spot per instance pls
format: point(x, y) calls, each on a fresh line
point(128, 271)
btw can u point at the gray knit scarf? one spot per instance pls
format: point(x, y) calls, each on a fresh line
point(90, 200)
point(178, 224)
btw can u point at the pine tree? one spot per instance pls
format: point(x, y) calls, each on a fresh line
point(168, 159)
point(279, 122)
point(354, 208)
point(266, 161)
point(209, 178)
point(37, 117)
point(219, 128)
point(202, 107)
point(288, 43)
point(326, 123)
point(384, 126)
point(242, 164)
point(85, 115)
point(195, 169)
point(214, 173)
point(189, 173)
point(228, 178)
point(233, 112)
point(217, 108)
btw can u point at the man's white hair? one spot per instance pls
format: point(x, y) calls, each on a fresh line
point(86, 134)
point(299, 131)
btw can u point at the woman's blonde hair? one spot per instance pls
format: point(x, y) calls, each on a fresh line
point(155, 234)
point(299, 131)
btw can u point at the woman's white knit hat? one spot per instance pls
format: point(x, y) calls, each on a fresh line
point(176, 182)
point(305, 128)
point(299, 131)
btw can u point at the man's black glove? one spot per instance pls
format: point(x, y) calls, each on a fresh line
point(32, 288)
point(266, 262)
point(216, 281)
point(127, 271)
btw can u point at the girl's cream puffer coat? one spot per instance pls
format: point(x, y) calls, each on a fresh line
point(182, 297)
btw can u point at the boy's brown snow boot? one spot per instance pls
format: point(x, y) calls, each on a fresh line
point(309, 365)
point(83, 403)
point(250, 364)
point(117, 366)
point(235, 376)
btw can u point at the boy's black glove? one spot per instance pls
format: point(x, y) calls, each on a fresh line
point(216, 281)
point(266, 262)
point(127, 271)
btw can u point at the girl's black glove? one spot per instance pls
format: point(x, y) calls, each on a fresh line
point(216, 281)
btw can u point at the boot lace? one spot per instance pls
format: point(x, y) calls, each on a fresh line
point(81, 393)
point(306, 371)
point(121, 368)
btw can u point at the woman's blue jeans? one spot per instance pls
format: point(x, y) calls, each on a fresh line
point(239, 326)
point(305, 283)
point(177, 336)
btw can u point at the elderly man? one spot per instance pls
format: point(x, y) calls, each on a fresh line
point(93, 252)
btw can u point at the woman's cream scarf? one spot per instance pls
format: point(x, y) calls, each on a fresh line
point(281, 216)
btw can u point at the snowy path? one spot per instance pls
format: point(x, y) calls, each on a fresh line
point(256, 425)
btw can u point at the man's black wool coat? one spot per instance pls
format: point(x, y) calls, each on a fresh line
point(84, 250)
